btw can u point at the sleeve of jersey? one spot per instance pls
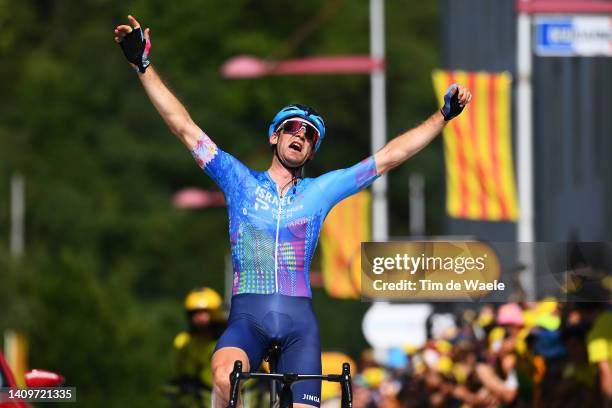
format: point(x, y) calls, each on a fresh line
point(339, 184)
point(222, 167)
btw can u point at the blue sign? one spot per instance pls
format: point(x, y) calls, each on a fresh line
point(554, 37)
point(573, 36)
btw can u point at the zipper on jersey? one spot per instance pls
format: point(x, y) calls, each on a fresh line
point(278, 218)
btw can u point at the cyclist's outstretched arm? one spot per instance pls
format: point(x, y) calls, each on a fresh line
point(170, 108)
point(136, 45)
point(406, 145)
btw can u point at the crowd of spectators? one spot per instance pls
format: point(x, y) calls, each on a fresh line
point(537, 354)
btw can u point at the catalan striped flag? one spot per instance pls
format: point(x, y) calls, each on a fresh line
point(480, 182)
point(346, 226)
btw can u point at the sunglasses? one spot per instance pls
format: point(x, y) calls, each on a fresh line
point(294, 126)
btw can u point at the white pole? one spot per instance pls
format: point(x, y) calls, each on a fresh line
point(416, 189)
point(17, 216)
point(15, 342)
point(525, 227)
point(379, 117)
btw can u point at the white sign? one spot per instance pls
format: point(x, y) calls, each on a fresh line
point(386, 325)
point(566, 36)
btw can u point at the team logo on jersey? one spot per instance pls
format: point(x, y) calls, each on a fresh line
point(265, 198)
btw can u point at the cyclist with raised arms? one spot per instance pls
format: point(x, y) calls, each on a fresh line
point(275, 218)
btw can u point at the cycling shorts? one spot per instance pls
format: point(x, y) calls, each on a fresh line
point(257, 321)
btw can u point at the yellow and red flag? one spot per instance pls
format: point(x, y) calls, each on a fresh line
point(480, 182)
point(346, 226)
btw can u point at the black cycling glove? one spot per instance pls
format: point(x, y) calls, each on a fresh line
point(451, 106)
point(136, 49)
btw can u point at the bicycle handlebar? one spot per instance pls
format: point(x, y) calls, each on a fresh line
point(287, 379)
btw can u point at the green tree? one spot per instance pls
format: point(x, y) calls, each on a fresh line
point(108, 258)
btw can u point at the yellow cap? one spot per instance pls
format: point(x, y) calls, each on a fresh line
point(373, 376)
point(485, 317)
point(443, 346)
point(445, 364)
point(202, 299)
point(410, 348)
point(546, 306)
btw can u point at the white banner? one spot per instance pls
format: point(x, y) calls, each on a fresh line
point(566, 36)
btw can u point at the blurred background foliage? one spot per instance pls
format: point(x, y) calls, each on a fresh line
point(108, 259)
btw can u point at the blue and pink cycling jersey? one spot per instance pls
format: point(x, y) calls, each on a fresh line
point(273, 238)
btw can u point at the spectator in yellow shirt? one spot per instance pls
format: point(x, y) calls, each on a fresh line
point(193, 349)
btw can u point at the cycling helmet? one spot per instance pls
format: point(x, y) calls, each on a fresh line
point(202, 299)
point(299, 111)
